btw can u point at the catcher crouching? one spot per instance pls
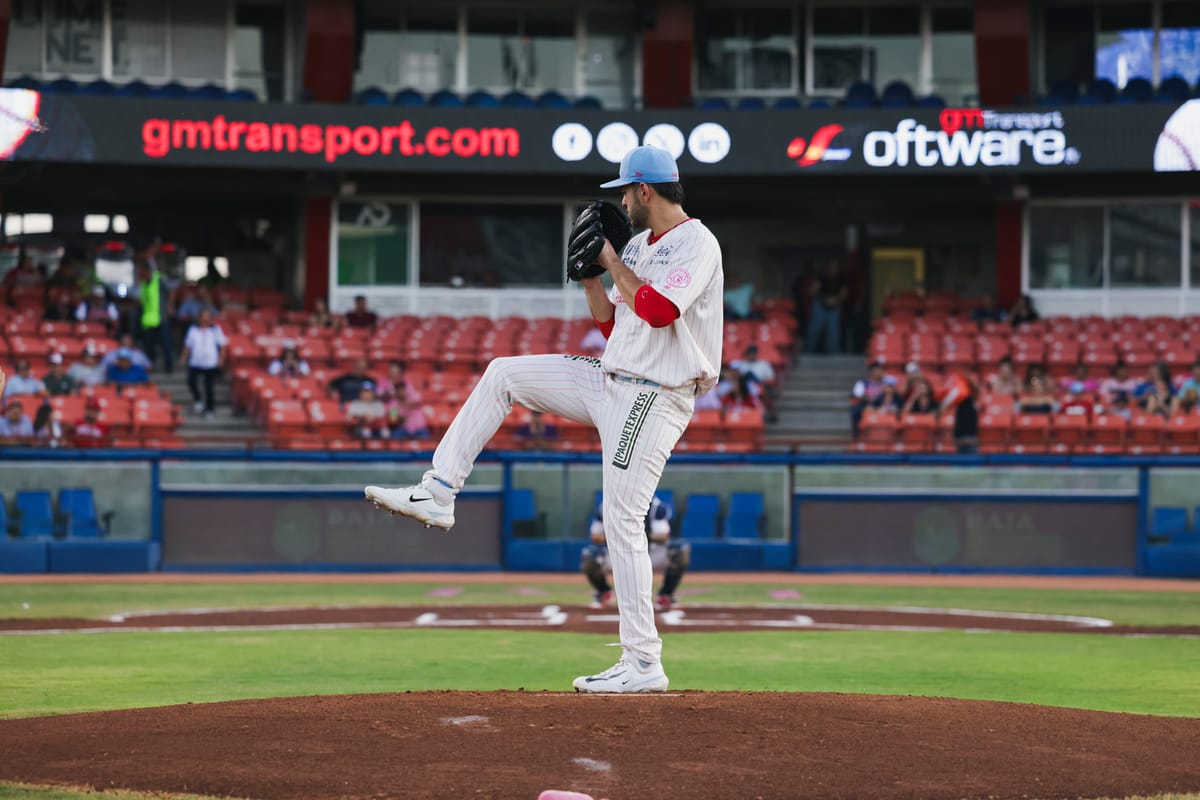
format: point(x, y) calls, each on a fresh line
point(668, 555)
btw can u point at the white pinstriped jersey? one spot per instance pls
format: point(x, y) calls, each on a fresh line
point(684, 265)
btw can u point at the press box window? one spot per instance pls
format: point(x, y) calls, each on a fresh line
point(747, 50)
point(491, 245)
point(1066, 247)
point(372, 243)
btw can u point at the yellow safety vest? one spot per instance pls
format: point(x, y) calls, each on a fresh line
point(151, 302)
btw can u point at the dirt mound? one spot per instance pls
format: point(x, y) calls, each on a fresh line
point(675, 746)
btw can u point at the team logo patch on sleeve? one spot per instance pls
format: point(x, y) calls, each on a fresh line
point(632, 427)
point(678, 278)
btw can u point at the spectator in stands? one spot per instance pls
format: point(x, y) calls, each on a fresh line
point(1184, 402)
point(24, 274)
point(347, 386)
point(188, 312)
point(89, 371)
point(593, 343)
point(405, 414)
point(368, 415)
point(920, 397)
point(865, 392)
point(204, 351)
point(1005, 380)
point(58, 308)
point(321, 318)
point(1023, 312)
point(889, 400)
point(709, 401)
point(396, 382)
point(966, 417)
point(15, 425)
point(1078, 382)
point(289, 364)
point(154, 295)
point(537, 434)
point(135, 355)
point(57, 381)
point(803, 288)
point(124, 372)
point(96, 307)
point(1037, 397)
point(90, 431)
point(760, 376)
point(825, 310)
point(1192, 381)
point(360, 316)
point(1155, 395)
point(68, 276)
point(987, 310)
point(741, 396)
point(1116, 391)
point(23, 381)
point(47, 429)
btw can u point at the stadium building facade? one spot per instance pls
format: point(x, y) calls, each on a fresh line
point(432, 156)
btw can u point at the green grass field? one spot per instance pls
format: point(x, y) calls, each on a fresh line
point(60, 674)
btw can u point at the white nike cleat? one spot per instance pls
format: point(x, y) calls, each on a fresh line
point(415, 502)
point(630, 674)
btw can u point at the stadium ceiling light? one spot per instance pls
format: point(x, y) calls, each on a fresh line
point(95, 223)
point(195, 267)
point(120, 224)
point(38, 223)
point(12, 225)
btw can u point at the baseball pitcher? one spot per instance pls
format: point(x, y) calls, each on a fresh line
point(663, 321)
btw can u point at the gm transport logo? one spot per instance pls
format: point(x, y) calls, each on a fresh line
point(708, 142)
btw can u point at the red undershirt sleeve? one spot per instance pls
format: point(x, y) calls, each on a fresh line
point(654, 308)
point(605, 327)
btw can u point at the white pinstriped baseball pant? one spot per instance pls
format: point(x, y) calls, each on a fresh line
point(638, 425)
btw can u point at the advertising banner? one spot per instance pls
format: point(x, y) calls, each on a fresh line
point(950, 533)
point(145, 131)
point(294, 529)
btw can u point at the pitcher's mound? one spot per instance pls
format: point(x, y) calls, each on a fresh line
point(679, 746)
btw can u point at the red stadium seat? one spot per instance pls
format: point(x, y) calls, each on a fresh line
point(916, 433)
point(995, 428)
point(1107, 434)
point(1182, 434)
point(877, 433)
point(1030, 433)
point(1070, 433)
point(1145, 434)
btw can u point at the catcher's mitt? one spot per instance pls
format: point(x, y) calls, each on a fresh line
point(599, 221)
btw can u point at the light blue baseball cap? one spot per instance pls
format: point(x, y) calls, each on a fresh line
point(645, 164)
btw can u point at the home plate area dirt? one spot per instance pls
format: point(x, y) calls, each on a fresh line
point(676, 746)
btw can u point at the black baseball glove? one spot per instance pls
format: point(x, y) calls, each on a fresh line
point(599, 221)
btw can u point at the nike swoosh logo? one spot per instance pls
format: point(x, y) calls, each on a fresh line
point(590, 680)
point(415, 499)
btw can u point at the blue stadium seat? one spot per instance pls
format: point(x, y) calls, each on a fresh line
point(897, 94)
point(587, 101)
point(1168, 520)
point(444, 98)
point(24, 82)
point(242, 96)
point(100, 88)
point(34, 513)
point(1103, 88)
point(713, 104)
point(481, 99)
point(408, 97)
point(820, 104)
point(860, 95)
point(173, 90)
point(133, 89)
point(7, 527)
point(1139, 90)
point(553, 99)
point(788, 104)
point(931, 101)
point(522, 511)
point(77, 507)
point(751, 104)
point(61, 86)
point(371, 96)
point(209, 91)
point(517, 99)
point(700, 517)
point(746, 515)
point(1173, 90)
point(667, 496)
point(1090, 100)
